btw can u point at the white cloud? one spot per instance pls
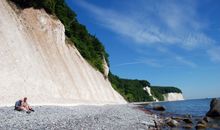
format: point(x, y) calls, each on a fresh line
point(214, 53)
point(168, 23)
point(185, 61)
point(129, 63)
point(158, 63)
point(198, 39)
point(123, 24)
point(149, 62)
point(161, 23)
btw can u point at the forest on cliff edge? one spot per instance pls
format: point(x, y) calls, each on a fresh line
point(94, 52)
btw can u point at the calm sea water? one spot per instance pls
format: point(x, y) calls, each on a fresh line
point(195, 107)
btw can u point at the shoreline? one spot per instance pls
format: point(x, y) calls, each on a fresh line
point(65, 105)
point(78, 117)
point(167, 120)
point(109, 116)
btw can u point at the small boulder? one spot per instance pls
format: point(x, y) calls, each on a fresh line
point(214, 110)
point(206, 119)
point(187, 120)
point(172, 123)
point(159, 108)
point(201, 124)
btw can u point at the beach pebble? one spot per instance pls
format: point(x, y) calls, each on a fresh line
point(171, 122)
point(187, 120)
point(120, 117)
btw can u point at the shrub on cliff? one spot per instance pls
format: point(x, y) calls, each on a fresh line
point(131, 90)
point(164, 89)
point(157, 94)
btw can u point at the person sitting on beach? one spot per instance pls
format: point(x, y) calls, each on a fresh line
point(22, 105)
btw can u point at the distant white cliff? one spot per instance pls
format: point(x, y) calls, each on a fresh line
point(167, 97)
point(173, 96)
point(37, 62)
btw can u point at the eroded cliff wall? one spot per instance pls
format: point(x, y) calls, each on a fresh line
point(173, 96)
point(37, 62)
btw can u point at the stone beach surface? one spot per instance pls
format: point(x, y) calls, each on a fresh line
point(107, 117)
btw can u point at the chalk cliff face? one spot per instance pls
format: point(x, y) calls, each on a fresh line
point(37, 62)
point(167, 96)
point(148, 90)
point(173, 96)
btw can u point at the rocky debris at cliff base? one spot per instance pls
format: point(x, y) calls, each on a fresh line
point(214, 108)
point(78, 117)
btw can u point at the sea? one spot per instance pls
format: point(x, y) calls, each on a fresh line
point(194, 107)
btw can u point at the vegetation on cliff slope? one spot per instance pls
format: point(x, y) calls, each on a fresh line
point(88, 45)
point(131, 90)
point(93, 50)
point(166, 89)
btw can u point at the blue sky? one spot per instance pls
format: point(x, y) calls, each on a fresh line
point(167, 42)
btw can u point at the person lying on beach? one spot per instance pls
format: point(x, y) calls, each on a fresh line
point(22, 105)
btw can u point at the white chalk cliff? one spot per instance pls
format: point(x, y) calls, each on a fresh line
point(173, 96)
point(37, 62)
point(167, 96)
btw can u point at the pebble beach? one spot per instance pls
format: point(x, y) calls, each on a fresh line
point(106, 117)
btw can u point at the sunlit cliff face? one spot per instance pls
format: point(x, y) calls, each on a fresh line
point(36, 62)
point(173, 96)
point(167, 97)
